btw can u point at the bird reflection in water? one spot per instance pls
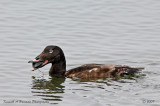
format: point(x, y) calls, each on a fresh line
point(50, 90)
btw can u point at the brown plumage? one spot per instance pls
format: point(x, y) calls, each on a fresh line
point(55, 55)
point(100, 71)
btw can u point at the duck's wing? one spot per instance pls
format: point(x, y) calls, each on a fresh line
point(100, 71)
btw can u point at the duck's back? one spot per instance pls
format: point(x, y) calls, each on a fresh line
point(100, 71)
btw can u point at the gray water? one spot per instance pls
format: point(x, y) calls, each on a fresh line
point(125, 32)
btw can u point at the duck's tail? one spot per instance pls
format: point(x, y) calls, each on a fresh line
point(126, 70)
point(131, 71)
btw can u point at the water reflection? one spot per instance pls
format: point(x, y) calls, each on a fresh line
point(48, 89)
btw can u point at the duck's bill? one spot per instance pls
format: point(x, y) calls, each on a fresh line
point(37, 63)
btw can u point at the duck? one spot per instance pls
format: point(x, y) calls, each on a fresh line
point(54, 55)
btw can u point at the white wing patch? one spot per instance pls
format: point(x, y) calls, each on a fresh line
point(94, 69)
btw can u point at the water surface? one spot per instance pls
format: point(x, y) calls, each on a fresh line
point(89, 31)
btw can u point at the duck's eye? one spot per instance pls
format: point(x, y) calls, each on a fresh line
point(50, 51)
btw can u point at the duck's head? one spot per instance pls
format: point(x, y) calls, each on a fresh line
point(51, 54)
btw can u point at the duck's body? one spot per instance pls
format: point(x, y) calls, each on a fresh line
point(55, 55)
point(100, 71)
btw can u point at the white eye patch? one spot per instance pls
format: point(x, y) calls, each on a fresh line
point(50, 51)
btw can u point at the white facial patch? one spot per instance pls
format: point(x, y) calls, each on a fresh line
point(50, 51)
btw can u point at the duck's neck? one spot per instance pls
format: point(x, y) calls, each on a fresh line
point(58, 69)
